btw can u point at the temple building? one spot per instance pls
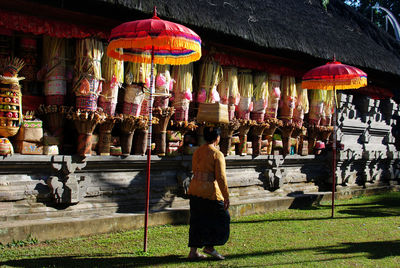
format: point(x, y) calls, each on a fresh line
point(73, 121)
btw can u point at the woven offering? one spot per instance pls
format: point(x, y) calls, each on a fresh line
point(133, 100)
point(246, 94)
point(6, 147)
point(10, 97)
point(274, 95)
point(86, 102)
point(183, 87)
point(160, 130)
point(85, 123)
point(163, 85)
point(88, 78)
point(105, 129)
point(227, 131)
point(213, 113)
point(288, 98)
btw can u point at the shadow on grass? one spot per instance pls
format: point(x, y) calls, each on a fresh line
point(372, 211)
point(383, 206)
point(288, 219)
point(391, 200)
point(346, 205)
point(366, 212)
point(372, 250)
point(97, 261)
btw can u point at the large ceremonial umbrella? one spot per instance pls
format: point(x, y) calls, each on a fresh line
point(154, 41)
point(334, 76)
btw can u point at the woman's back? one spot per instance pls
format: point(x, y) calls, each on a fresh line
point(208, 165)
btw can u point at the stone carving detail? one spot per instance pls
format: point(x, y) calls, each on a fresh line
point(183, 179)
point(184, 176)
point(365, 137)
point(344, 175)
point(273, 173)
point(367, 134)
point(350, 128)
point(375, 172)
point(390, 112)
point(65, 186)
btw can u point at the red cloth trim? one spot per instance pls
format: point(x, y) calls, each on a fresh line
point(374, 92)
point(243, 62)
point(334, 71)
point(38, 26)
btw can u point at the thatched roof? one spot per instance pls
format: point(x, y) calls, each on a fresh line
point(291, 27)
point(297, 29)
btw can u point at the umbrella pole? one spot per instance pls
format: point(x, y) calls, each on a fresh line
point(150, 107)
point(334, 151)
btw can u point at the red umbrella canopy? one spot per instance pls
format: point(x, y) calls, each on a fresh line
point(172, 43)
point(334, 75)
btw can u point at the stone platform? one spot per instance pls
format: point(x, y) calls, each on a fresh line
point(52, 197)
point(90, 221)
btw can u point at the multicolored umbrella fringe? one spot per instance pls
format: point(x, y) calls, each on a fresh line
point(337, 83)
point(172, 43)
point(334, 75)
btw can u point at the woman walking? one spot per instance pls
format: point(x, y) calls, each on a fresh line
point(209, 198)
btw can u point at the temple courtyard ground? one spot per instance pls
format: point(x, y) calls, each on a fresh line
point(365, 232)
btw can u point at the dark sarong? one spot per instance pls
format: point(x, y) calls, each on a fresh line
point(209, 223)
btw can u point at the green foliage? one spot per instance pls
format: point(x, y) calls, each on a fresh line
point(22, 243)
point(365, 232)
point(365, 6)
point(325, 4)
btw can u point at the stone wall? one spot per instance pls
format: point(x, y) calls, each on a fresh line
point(64, 185)
point(366, 131)
point(57, 186)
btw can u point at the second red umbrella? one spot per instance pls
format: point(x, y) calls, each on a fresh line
point(334, 76)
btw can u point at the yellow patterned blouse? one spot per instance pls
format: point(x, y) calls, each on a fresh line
point(209, 178)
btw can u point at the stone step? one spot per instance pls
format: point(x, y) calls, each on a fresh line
point(95, 223)
point(25, 210)
point(89, 224)
point(37, 215)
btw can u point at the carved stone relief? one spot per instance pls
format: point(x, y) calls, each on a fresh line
point(65, 186)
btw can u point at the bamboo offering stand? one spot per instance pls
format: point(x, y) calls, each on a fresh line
point(227, 131)
point(105, 128)
point(256, 141)
point(302, 143)
point(54, 117)
point(142, 132)
point(273, 124)
point(297, 132)
point(325, 133)
point(183, 127)
point(244, 128)
point(85, 123)
point(287, 131)
point(128, 125)
point(313, 133)
point(160, 130)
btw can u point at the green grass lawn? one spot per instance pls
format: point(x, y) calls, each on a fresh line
point(365, 232)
